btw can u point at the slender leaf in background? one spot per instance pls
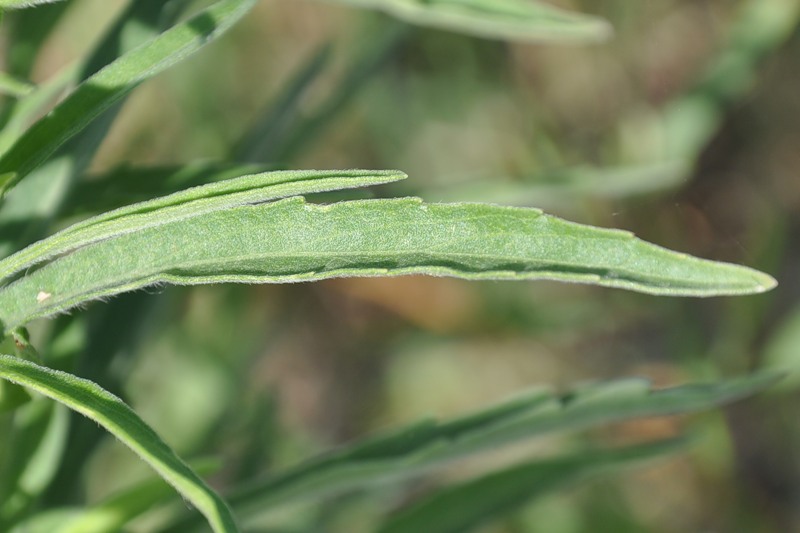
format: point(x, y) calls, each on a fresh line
point(28, 30)
point(126, 185)
point(121, 421)
point(257, 143)
point(36, 448)
point(112, 514)
point(463, 507)
point(32, 105)
point(142, 20)
point(524, 20)
point(566, 185)
point(376, 52)
point(782, 351)
point(103, 89)
point(427, 445)
point(112, 335)
point(191, 203)
point(19, 4)
point(760, 28)
point(11, 86)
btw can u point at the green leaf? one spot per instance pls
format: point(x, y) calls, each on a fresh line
point(19, 4)
point(107, 86)
point(191, 203)
point(428, 444)
point(12, 86)
point(26, 109)
point(37, 441)
point(27, 31)
point(257, 144)
point(120, 420)
point(205, 240)
point(378, 49)
point(782, 351)
point(141, 21)
point(125, 184)
point(112, 514)
point(525, 20)
point(463, 507)
point(563, 187)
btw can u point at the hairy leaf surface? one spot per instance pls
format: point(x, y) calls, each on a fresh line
point(191, 203)
point(290, 241)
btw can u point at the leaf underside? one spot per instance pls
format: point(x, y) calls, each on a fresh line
point(229, 231)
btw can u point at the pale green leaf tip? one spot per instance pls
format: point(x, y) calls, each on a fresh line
point(764, 282)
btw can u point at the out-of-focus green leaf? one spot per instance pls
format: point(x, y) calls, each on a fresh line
point(40, 197)
point(257, 144)
point(568, 184)
point(11, 86)
point(120, 420)
point(524, 20)
point(46, 522)
point(761, 26)
point(19, 4)
point(378, 49)
point(428, 444)
point(112, 514)
point(37, 443)
point(106, 87)
point(26, 109)
point(463, 507)
point(782, 352)
point(28, 30)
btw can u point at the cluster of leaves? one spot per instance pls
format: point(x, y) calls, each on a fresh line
point(254, 227)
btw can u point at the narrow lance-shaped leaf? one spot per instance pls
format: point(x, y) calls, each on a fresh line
point(191, 202)
point(121, 421)
point(26, 109)
point(125, 184)
point(290, 240)
point(103, 89)
point(461, 508)
point(427, 445)
point(527, 20)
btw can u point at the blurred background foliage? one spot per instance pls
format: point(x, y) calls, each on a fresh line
point(681, 128)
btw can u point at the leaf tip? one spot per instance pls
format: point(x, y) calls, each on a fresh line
point(765, 282)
